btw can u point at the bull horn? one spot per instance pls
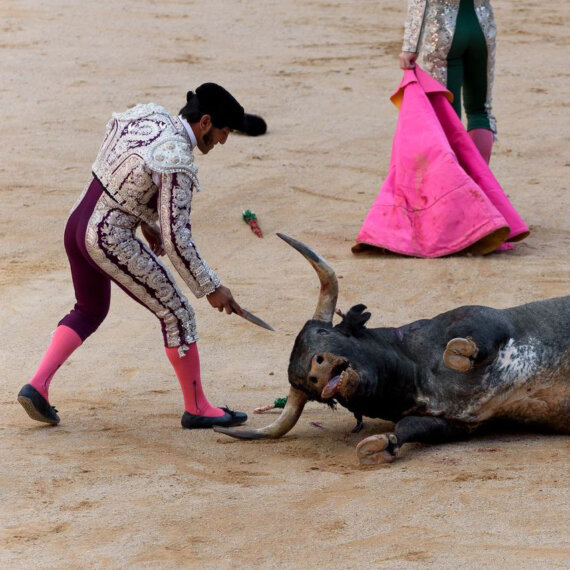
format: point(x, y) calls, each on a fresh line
point(329, 284)
point(285, 422)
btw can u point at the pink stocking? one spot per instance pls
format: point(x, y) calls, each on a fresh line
point(63, 342)
point(187, 370)
point(483, 139)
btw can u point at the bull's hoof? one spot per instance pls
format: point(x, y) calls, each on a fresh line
point(377, 449)
point(460, 354)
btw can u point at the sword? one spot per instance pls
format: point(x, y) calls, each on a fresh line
point(255, 320)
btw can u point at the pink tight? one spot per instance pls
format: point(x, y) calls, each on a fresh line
point(63, 342)
point(483, 139)
point(187, 370)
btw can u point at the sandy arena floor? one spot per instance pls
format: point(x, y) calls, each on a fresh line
point(119, 484)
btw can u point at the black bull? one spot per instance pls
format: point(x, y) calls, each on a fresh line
point(438, 379)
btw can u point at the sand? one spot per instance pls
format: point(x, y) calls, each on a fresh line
point(118, 484)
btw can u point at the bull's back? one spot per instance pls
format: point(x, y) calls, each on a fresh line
point(548, 320)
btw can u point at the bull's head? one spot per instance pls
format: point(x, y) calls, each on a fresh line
point(316, 369)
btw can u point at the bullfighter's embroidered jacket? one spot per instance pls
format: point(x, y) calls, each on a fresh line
point(146, 166)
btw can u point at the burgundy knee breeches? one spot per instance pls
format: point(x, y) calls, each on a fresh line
point(101, 245)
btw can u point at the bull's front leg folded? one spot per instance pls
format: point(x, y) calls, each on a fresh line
point(385, 447)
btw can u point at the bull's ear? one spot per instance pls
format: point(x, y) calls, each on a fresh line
point(353, 322)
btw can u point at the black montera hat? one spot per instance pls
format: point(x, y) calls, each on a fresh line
point(215, 101)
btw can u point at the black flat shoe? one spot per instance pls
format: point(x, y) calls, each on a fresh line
point(37, 407)
point(230, 418)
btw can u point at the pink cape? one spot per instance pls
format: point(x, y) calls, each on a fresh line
point(439, 197)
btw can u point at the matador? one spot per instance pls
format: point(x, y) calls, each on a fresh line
point(144, 176)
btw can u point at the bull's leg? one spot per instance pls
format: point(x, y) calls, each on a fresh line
point(359, 423)
point(380, 448)
point(460, 354)
point(385, 447)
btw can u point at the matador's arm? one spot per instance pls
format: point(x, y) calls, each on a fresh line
point(413, 25)
point(174, 206)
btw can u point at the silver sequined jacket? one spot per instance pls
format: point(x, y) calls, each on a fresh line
point(429, 29)
point(139, 143)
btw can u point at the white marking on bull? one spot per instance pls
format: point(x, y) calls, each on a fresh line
point(516, 384)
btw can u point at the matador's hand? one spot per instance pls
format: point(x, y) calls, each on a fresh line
point(153, 237)
point(408, 60)
point(222, 299)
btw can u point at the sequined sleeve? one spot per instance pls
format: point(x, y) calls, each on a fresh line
point(413, 25)
point(175, 198)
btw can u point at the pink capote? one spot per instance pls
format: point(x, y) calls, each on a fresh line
point(439, 197)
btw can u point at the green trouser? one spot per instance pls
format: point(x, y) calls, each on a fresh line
point(467, 68)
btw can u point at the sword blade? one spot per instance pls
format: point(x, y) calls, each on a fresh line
point(255, 320)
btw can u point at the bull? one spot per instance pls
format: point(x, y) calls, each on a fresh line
point(438, 380)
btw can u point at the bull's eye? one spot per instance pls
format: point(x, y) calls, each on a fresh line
point(319, 359)
point(313, 379)
point(323, 331)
